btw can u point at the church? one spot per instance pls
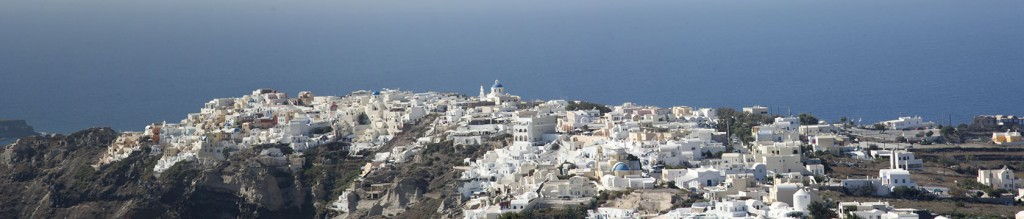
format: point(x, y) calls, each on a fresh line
point(497, 94)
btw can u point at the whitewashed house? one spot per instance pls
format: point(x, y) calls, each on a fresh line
point(999, 179)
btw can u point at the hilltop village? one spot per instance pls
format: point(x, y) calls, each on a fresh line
point(597, 161)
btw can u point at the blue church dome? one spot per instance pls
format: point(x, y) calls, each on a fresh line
point(497, 84)
point(375, 93)
point(620, 166)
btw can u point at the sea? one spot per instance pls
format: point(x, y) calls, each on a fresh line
point(70, 65)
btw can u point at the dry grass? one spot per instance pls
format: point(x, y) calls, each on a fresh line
point(941, 168)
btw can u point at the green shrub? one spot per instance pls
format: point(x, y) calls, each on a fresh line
point(583, 105)
point(911, 193)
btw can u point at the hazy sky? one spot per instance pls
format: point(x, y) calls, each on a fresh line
point(67, 65)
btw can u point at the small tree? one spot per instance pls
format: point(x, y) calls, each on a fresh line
point(863, 190)
point(583, 105)
point(796, 214)
point(879, 126)
point(911, 193)
point(950, 134)
point(807, 119)
point(363, 119)
point(821, 210)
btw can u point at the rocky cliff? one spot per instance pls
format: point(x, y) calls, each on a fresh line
point(425, 187)
point(55, 177)
point(71, 176)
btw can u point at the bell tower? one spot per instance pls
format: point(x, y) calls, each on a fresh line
point(482, 94)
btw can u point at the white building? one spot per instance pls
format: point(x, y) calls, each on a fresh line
point(816, 169)
point(893, 178)
point(802, 200)
point(757, 110)
point(906, 123)
point(578, 119)
point(677, 153)
point(671, 174)
point(906, 159)
point(612, 213)
point(730, 209)
point(999, 179)
point(896, 175)
point(826, 143)
point(782, 192)
point(613, 182)
point(818, 129)
point(782, 129)
point(700, 178)
point(720, 209)
point(529, 127)
point(574, 187)
point(874, 210)
point(779, 157)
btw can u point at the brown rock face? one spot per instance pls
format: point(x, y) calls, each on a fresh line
point(52, 177)
point(58, 177)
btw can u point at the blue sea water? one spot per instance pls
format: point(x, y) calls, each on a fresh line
point(68, 65)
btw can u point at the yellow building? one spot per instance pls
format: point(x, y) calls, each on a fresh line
point(1007, 138)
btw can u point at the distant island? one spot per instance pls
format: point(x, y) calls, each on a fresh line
point(11, 130)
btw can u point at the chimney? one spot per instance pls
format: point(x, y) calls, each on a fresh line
point(895, 155)
point(892, 158)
